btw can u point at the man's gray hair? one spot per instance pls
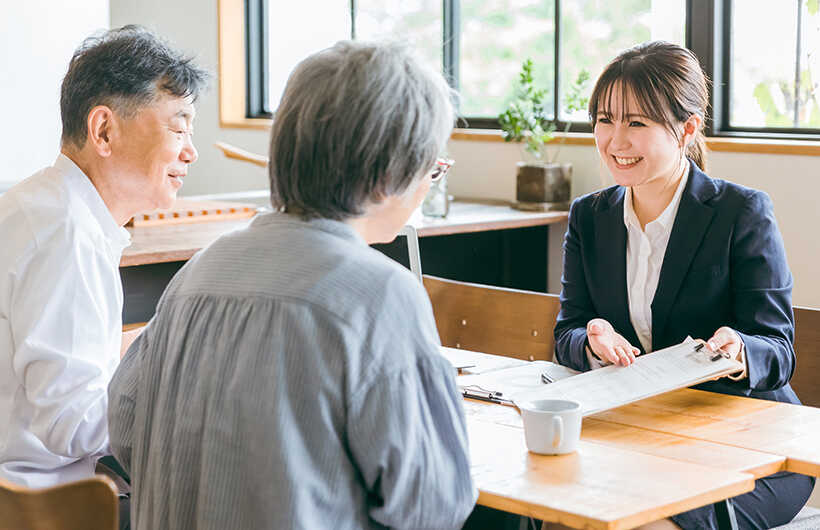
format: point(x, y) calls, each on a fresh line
point(357, 122)
point(124, 68)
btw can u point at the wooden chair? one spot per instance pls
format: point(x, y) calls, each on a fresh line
point(494, 320)
point(806, 378)
point(89, 504)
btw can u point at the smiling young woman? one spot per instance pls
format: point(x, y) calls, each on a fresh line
point(670, 252)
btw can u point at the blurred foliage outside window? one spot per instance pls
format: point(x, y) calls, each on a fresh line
point(417, 22)
point(770, 85)
point(496, 36)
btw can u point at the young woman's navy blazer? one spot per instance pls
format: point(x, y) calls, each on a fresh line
point(725, 265)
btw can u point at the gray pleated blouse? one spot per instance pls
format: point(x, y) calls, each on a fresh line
point(291, 379)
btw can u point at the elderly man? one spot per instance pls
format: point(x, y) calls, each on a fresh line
point(292, 376)
point(127, 108)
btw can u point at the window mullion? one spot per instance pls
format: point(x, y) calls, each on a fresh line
point(707, 35)
point(352, 19)
point(451, 47)
point(796, 120)
point(256, 50)
point(557, 62)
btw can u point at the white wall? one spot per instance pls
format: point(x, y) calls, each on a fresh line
point(191, 26)
point(483, 169)
point(37, 38)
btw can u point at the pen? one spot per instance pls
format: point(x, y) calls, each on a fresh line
point(484, 398)
point(485, 395)
point(715, 357)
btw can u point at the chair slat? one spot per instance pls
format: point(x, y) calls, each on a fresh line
point(494, 320)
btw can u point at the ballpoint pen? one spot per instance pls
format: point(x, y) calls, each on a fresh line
point(715, 357)
point(484, 395)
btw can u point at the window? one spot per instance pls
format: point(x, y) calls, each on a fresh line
point(774, 66)
point(763, 57)
point(279, 38)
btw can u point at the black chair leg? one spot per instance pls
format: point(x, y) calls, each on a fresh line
point(725, 511)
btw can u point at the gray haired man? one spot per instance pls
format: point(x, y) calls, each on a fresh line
point(127, 109)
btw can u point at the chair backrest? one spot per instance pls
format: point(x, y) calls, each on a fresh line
point(89, 504)
point(806, 378)
point(494, 320)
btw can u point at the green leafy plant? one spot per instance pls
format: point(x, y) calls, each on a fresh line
point(526, 119)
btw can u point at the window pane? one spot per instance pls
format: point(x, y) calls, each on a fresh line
point(593, 32)
point(496, 37)
point(295, 32)
point(417, 22)
point(763, 69)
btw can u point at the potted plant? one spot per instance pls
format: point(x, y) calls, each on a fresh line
point(541, 183)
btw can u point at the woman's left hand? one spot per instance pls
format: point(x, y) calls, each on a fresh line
point(726, 341)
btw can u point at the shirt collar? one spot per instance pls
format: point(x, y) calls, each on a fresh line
point(81, 186)
point(667, 217)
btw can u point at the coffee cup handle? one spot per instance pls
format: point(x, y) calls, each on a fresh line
point(558, 431)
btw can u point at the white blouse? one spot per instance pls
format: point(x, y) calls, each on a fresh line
point(645, 250)
point(644, 257)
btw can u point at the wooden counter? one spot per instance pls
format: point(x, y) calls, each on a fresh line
point(162, 244)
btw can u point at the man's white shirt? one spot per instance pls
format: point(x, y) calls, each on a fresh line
point(60, 325)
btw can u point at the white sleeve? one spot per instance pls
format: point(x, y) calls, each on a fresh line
point(66, 330)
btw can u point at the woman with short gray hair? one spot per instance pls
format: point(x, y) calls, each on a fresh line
point(292, 375)
point(353, 126)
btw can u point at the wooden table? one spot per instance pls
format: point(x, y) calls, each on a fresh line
point(598, 486)
point(486, 243)
point(643, 461)
point(161, 244)
point(788, 431)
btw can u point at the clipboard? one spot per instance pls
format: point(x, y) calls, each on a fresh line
point(678, 366)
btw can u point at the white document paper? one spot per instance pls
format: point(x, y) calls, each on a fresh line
point(612, 386)
point(515, 380)
point(472, 362)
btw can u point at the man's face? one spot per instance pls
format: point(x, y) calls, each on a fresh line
point(152, 153)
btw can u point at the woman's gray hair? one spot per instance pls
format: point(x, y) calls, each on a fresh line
point(357, 122)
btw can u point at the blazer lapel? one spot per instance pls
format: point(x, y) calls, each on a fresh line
point(690, 227)
point(610, 266)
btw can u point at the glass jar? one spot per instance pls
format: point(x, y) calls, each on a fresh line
point(436, 202)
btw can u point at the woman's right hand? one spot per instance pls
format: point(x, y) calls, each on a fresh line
point(608, 345)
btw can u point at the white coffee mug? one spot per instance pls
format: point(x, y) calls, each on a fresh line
point(551, 426)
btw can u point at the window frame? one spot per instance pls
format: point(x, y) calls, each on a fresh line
point(721, 76)
point(709, 40)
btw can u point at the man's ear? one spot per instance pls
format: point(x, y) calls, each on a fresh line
point(101, 126)
point(690, 128)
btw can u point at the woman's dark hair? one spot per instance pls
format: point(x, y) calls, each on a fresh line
point(125, 68)
point(666, 82)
